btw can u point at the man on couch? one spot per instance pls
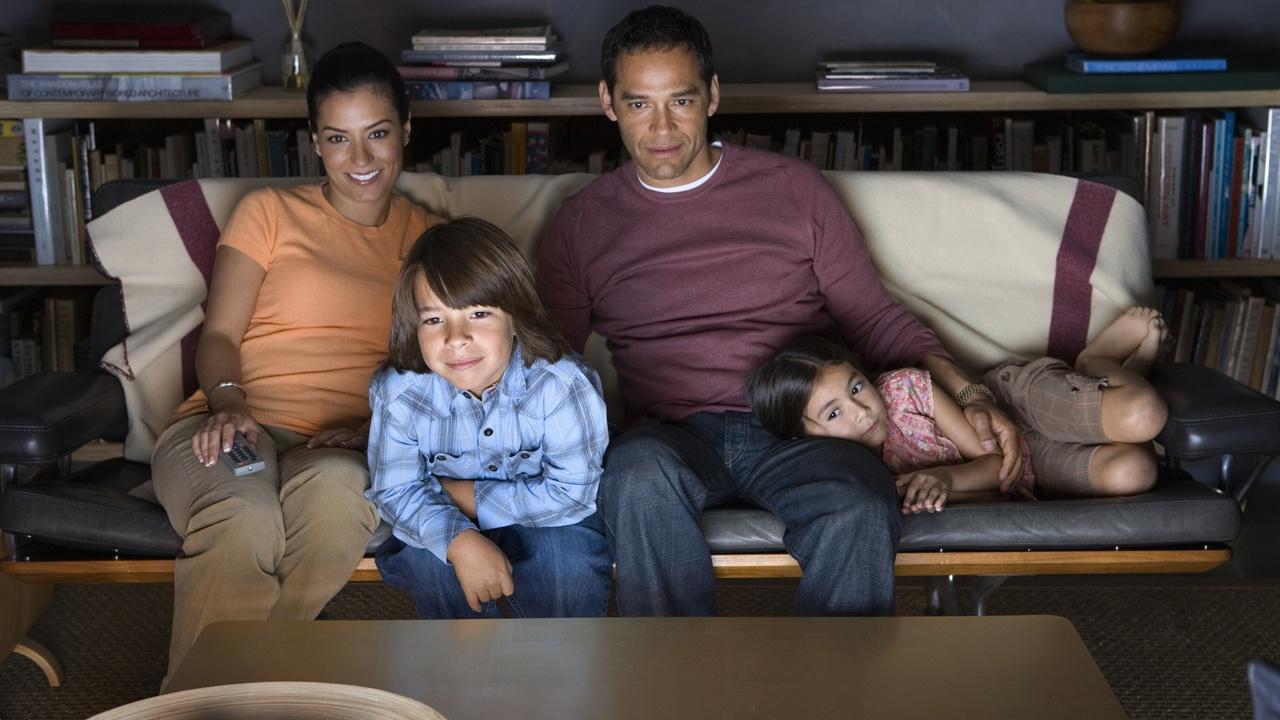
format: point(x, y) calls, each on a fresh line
point(695, 262)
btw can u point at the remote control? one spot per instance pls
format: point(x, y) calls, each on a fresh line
point(241, 458)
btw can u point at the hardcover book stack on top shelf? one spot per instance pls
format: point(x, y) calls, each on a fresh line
point(152, 53)
point(496, 63)
point(1078, 72)
point(889, 76)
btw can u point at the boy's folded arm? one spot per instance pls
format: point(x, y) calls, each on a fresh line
point(404, 494)
point(421, 515)
point(575, 434)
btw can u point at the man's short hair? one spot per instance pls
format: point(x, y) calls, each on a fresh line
point(657, 28)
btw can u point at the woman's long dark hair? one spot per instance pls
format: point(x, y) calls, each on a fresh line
point(349, 67)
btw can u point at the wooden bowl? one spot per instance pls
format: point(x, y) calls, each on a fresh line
point(275, 701)
point(1139, 27)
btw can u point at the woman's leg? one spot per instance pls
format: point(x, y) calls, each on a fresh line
point(232, 535)
point(327, 523)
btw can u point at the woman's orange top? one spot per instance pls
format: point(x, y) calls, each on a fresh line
point(323, 316)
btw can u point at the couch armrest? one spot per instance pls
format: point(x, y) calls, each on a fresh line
point(1210, 414)
point(47, 415)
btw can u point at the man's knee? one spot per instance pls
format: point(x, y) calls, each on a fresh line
point(639, 471)
point(860, 496)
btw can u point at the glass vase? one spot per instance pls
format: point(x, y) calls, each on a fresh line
point(293, 64)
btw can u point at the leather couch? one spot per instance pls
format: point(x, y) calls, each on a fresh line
point(104, 510)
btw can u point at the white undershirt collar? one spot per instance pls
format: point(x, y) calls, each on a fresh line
point(689, 185)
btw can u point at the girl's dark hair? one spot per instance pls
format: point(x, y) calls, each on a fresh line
point(656, 28)
point(778, 390)
point(349, 67)
point(467, 262)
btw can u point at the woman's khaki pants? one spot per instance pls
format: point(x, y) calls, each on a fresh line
point(276, 545)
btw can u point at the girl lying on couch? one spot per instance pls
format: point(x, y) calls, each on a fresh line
point(1088, 429)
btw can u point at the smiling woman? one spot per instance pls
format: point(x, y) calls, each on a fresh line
point(299, 312)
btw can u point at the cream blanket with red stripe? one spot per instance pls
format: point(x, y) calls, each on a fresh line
point(999, 264)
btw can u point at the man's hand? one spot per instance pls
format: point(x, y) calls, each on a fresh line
point(997, 432)
point(483, 570)
point(924, 490)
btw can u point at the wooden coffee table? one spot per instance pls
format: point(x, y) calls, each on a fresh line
point(926, 667)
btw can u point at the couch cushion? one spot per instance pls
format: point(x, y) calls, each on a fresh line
point(97, 513)
point(104, 508)
point(1003, 265)
point(92, 510)
point(1179, 511)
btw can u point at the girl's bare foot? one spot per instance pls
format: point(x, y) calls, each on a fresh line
point(1120, 340)
point(1149, 349)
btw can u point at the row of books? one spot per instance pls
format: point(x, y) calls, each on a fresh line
point(15, 210)
point(1209, 180)
point(514, 63)
point(43, 331)
point(1086, 143)
point(66, 163)
point(1229, 327)
point(158, 53)
point(523, 149)
point(1213, 186)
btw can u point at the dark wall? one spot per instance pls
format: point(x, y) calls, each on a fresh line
point(755, 40)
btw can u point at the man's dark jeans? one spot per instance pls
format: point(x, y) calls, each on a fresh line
point(838, 502)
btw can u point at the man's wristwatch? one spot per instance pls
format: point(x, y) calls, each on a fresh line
point(968, 392)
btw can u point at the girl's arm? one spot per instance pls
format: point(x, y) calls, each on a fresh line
point(981, 471)
point(990, 423)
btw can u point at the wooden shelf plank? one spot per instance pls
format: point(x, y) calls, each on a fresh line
point(747, 98)
point(1170, 269)
point(52, 275)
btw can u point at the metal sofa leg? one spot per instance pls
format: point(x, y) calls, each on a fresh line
point(944, 595)
point(981, 590)
point(42, 657)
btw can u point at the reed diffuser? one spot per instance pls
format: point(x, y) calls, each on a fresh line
point(293, 57)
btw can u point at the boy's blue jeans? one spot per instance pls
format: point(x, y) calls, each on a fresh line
point(557, 571)
point(838, 502)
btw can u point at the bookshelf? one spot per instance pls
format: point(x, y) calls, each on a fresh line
point(736, 99)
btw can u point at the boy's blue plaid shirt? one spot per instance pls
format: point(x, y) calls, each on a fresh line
point(534, 446)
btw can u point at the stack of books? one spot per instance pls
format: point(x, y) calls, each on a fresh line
point(1077, 72)
point(17, 239)
point(507, 63)
point(889, 76)
point(158, 53)
point(1080, 62)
